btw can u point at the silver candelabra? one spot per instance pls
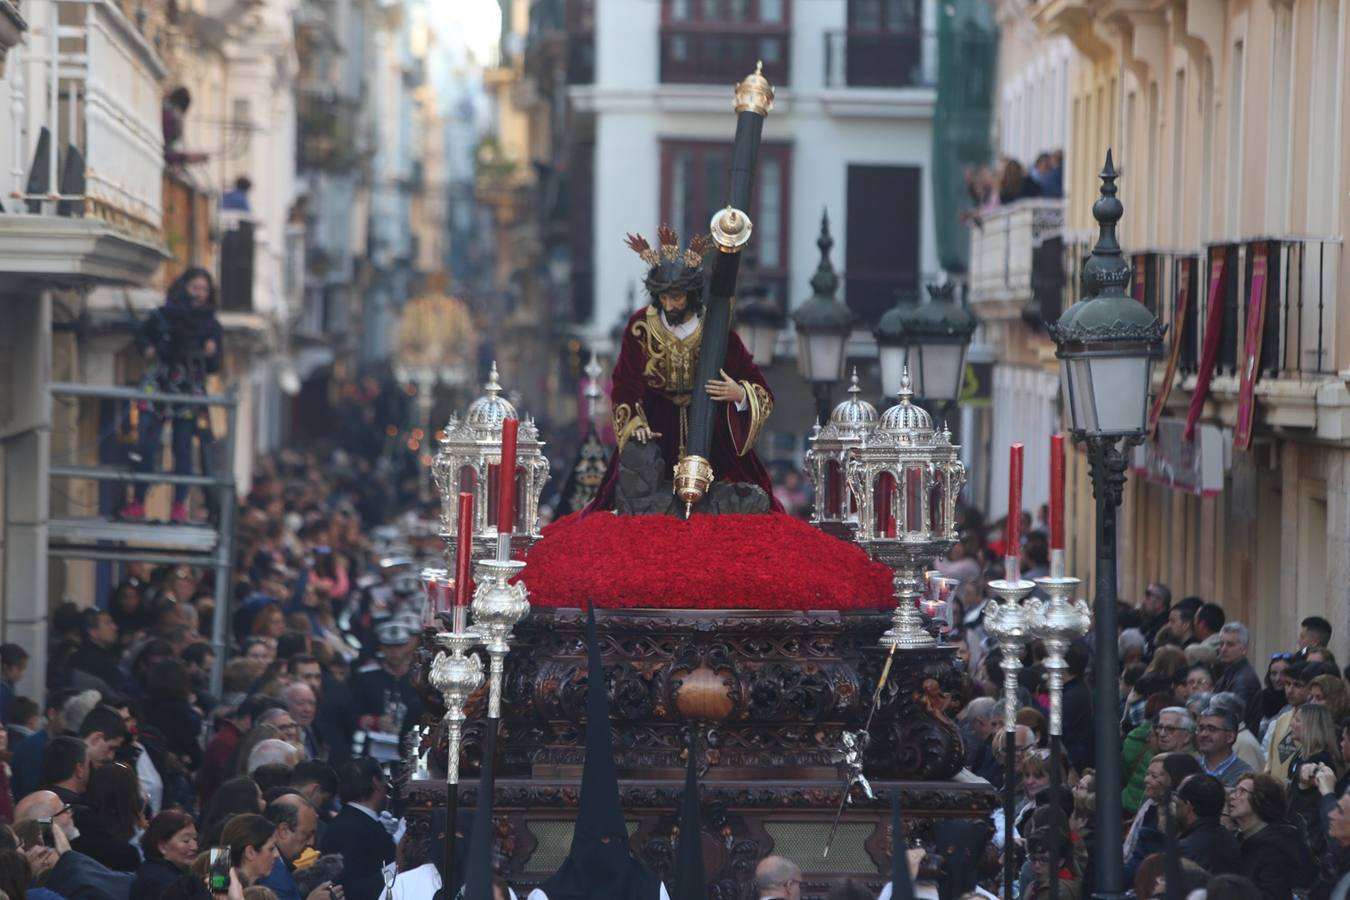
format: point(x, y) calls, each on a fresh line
point(497, 606)
point(1057, 622)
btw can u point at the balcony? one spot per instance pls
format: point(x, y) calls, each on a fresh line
point(870, 59)
point(84, 147)
point(1017, 262)
point(716, 52)
point(325, 131)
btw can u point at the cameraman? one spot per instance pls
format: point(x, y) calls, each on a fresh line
point(181, 343)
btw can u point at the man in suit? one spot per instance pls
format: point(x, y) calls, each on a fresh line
point(357, 833)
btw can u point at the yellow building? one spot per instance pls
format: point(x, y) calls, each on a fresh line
point(1228, 120)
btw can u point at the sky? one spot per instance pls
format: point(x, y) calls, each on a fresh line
point(469, 27)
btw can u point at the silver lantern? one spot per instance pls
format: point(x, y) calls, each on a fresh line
point(469, 458)
point(904, 477)
point(834, 511)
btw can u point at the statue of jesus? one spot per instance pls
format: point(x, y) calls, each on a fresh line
point(653, 380)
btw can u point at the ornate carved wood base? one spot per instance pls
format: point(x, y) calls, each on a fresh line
point(743, 822)
point(773, 694)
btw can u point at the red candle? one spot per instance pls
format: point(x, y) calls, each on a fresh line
point(1057, 492)
point(464, 549)
point(506, 477)
point(1012, 532)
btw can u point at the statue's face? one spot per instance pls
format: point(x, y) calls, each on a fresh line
point(675, 304)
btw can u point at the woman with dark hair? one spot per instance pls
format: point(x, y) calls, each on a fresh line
point(16, 878)
point(114, 812)
point(1273, 700)
point(170, 846)
point(238, 795)
point(129, 609)
point(169, 709)
point(181, 343)
point(253, 846)
point(1274, 856)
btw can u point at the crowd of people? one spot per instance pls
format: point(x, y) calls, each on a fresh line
point(122, 778)
point(990, 187)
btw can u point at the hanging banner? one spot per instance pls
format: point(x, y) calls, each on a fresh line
point(1209, 354)
point(1179, 336)
point(1140, 279)
point(1251, 347)
point(1190, 466)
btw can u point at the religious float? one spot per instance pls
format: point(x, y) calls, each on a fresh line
point(807, 659)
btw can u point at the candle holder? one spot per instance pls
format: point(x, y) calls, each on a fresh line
point(1057, 622)
point(906, 562)
point(938, 603)
point(497, 606)
point(1008, 623)
point(436, 591)
point(456, 675)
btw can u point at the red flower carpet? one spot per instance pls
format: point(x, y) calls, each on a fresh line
point(709, 562)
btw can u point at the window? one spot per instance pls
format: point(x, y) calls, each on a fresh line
point(718, 41)
point(694, 184)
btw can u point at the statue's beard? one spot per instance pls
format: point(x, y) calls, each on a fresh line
point(678, 316)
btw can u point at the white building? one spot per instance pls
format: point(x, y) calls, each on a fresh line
point(850, 133)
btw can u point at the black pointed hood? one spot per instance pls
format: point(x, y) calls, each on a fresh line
point(600, 865)
point(901, 887)
point(690, 881)
point(479, 873)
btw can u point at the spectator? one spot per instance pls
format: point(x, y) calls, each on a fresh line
point(6, 795)
point(1334, 881)
point(26, 761)
point(169, 710)
point(1014, 184)
point(1146, 834)
point(174, 109)
point(1198, 680)
point(112, 816)
point(1155, 608)
point(65, 769)
point(1279, 743)
point(1181, 618)
point(1209, 619)
point(1138, 750)
point(303, 705)
point(977, 730)
point(253, 846)
point(222, 747)
point(1322, 655)
point(104, 730)
point(1132, 647)
point(181, 344)
point(13, 663)
point(316, 781)
point(1314, 631)
point(236, 198)
point(778, 878)
point(1077, 730)
point(1199, 801)
point(170, 846)
point(200, 660)
point(1330, 691)
point(74, 875)
point(1236, 672)
point(357, 832)
point(1317, 743)
point(96, 659)
point(305, 669)
point(1045, 867)
point(1033, 772)
point(144, 658)
point(1272, 854)
point(25, 719)
point(1247, 747)
point(236, 796)
point(1272, 695)
point(1215, 735)
point(296, 822)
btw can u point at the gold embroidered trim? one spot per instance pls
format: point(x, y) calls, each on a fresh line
point(628, 419)
point(759, 405)
point(671, 362)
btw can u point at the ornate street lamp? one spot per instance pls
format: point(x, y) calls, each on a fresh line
point(1107, 343)
point(930, 339)
point(823, 326)
point(905, 477)
point(758, 321)
point(834, 511)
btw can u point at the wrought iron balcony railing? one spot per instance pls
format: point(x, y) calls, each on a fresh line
point(898, 59)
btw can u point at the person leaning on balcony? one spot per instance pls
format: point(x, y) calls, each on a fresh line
point(171, 121)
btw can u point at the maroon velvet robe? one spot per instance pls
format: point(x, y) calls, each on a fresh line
point(653, 385)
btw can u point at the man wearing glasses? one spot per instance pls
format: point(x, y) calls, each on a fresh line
point(778, 878)
point(1215, 735)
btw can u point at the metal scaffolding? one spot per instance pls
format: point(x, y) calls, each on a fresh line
point(160, 543)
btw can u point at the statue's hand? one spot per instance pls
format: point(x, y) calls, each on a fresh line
point(643, 433)
point(726, 388)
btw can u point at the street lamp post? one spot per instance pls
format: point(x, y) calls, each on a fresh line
point(758, 321)
point(823, 325)
point(931, 340)
point(1107, 344)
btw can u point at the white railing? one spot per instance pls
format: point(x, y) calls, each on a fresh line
point(1001, 250)
point(86, 76)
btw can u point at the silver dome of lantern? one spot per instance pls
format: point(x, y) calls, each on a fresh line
point(492, 409)
point(905, 418)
